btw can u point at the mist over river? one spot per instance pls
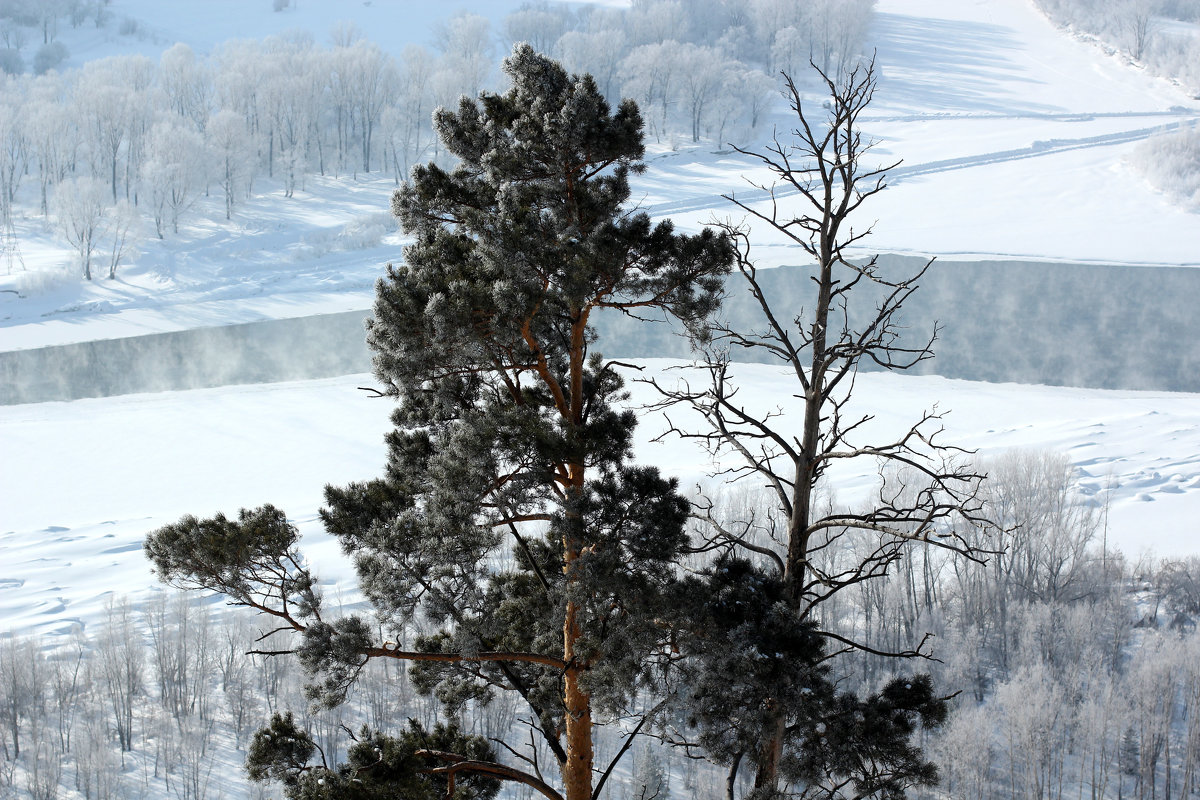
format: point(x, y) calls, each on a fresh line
point(1087, 325)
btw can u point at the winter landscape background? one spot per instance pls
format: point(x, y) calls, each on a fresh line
point(1050, 162)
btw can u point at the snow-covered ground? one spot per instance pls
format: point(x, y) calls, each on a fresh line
point(1014, 139)
point(84, 481)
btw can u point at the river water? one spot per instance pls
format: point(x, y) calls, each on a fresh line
point(1061, 324)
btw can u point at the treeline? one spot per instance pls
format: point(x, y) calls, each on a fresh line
point(1075, 673)
point(1078, 672)
point(158, 701)
point(1142, 29)
point(126, 137)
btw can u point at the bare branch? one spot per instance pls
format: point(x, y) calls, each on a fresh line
point(503, 771)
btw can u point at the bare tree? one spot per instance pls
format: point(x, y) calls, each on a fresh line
point(18, 687)
point(122, 668)
point(68, 682)
point(236, 670)
point(44, 771)
point(1138, 26)
point(124, 229)
point(182, 650)
point(827, 170)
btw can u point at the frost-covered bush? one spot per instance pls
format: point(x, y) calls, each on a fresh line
point(33, 282)
point(1171, 163)
point(49, 56)
point(1177, 56)
point(360, 233)
point(11, 62)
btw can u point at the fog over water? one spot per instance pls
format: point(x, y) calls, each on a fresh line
point(1115, 327)
point(1061, 324)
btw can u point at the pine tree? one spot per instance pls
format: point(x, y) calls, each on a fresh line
point(752, 658)
point(509, 517)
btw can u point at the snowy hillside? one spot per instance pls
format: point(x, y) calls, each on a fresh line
point(1014, 138)
point(85, 481)
point(1017, 143)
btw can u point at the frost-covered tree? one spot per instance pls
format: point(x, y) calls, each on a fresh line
point(1036, 722)
point(49, 56)
point(702, 77)
point(406, 123)
point(80, 209)
point(539, 24)
point(54, 137)
point(510, 518)
point(1171, 162)
point(294, 79)
point(187, 84)
point(967, 752)
point(465, 41)
point(656, 21)
point(649, 75)
point(173, 172)
point(230, 155)
point(597, 53)
point(369, 77)
point(1048, 557)
point(14, 144)
point(110, 100)
point(123, 227)
point(1152, 687)
point(19, 688)
point(11, 62)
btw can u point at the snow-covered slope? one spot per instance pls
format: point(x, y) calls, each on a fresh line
point(1013, 137)
point(82, 482)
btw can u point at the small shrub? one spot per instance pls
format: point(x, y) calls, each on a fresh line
point(11, 62)
point(1171, 163)
point(49, 56)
